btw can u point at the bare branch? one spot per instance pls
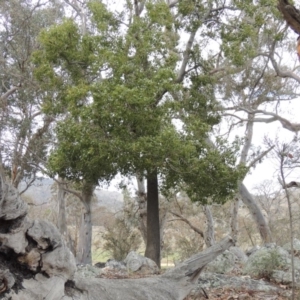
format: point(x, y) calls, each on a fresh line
point(28, 184)
point(8, 93)
point(294, 127)
point(186, 55)
point(33, 204)
point(181, 218)
point(73, 192)
point(138, 7)
point(259, 157)
point(248, 140)
point(80, 11)
point(280, 72)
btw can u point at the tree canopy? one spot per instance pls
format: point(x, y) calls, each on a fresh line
point(119, 91)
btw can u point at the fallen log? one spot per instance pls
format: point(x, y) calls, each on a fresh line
point(36, 264)
point(175, 284)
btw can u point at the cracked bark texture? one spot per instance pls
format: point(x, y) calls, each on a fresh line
point(36, 264)
point(35, 247)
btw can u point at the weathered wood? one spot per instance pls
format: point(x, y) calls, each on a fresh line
point(142, 205)
point(190, 268)
point(234, 218)
point(210, 229)
point(256, 213)
point(175, 284)
point(38, 247)
point(84, 246)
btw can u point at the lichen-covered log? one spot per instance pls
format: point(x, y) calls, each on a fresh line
point(175, 284)
point(33, 255)
point(36, 264)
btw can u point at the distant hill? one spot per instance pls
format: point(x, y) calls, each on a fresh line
point(40, 192)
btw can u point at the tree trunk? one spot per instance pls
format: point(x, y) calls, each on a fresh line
point(247, 198)
point(84, 252)
point(62, 215)
point(210, 230)
point(257, 215)
point(62, 218)
point(162, 225)
point(153, 234)
point(234, 218)
point(142, 204)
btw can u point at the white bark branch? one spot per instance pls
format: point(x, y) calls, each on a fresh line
point(181, 218)
point(278, 70)
point(248, 140)
point(256, 213)
point(210, 230)
point(294, 127)
point(8, 93)
point(259, 157)
point(186, 55)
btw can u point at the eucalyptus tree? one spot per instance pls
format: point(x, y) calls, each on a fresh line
point(122, 83)
point(254, 41)
point(24, 129)
point(249, 68)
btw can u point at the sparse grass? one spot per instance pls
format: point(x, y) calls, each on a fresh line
point(169, 260)
point(100, 255)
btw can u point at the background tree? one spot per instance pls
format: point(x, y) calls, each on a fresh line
point(123, 236)
point(24, 129)
point(287, 156)
point(244, 73)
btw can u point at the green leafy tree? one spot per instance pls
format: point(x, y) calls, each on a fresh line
point(119, 89)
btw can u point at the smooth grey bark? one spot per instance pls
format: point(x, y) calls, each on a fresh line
point(209, 235)
point(256, 213)
point(282, 157)
point(246, 197)
point(62, 215)
point(162, 224)
point(142, 206)
point(84, 252)
point(62, 218)
point(234, 218)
